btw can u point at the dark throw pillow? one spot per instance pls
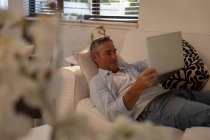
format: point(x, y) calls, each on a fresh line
point(193, 76)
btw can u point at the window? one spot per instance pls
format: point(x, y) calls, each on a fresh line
point(4, 4)
point(34, 7)
point(106, 10)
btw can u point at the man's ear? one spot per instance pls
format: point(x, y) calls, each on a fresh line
point(94, 57)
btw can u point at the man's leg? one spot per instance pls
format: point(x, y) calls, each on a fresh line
point(177, 111)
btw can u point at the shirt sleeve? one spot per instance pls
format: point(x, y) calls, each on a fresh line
point(140, 65)
point(122, 108)
point(111, 107)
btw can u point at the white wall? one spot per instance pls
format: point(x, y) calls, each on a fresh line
point(77, 36)
point(189, 16)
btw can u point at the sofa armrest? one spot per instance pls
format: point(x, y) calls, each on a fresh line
point(74, 88)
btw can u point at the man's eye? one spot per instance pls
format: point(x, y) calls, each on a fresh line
point(108, 53)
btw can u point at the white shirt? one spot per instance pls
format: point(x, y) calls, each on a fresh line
point(123, 81)
point(107, 97)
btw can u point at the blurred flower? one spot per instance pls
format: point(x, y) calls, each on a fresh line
point(72, 128)
point(32, 78)
point(14, 81)
point(124, 129)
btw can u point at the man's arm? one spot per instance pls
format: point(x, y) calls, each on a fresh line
point(110, 106)
point(140, 66)
point(144, 81)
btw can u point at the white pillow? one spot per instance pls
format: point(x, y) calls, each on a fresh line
point(87, 65)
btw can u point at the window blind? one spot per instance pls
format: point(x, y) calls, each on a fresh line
point(108, 10)
point(34, 7)
point(105, 10)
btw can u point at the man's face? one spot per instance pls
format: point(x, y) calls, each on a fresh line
point(106, 58)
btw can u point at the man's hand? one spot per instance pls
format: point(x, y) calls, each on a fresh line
point(146, 78)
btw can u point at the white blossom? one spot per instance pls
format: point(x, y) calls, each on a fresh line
point(21, 78)
point(35, 80)
point(124, 129)
point(73, 128)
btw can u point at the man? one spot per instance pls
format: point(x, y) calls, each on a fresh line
point(127, 89)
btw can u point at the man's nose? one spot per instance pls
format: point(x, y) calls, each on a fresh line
point(114, 55)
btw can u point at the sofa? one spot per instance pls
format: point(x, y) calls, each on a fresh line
point(75, 91)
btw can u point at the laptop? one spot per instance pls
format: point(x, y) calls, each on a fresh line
point(165, 54)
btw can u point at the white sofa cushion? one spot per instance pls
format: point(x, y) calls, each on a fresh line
point(71, 92)
point(86, 64)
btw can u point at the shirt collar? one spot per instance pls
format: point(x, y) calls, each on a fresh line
point(103, 71)
point(107, 72)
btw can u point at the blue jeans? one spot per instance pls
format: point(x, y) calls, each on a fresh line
point(178, 109)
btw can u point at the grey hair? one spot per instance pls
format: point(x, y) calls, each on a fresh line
point(96, 43)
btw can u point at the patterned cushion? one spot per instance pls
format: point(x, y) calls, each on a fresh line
point(193, 76)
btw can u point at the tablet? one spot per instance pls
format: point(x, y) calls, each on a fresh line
point(165, 54)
